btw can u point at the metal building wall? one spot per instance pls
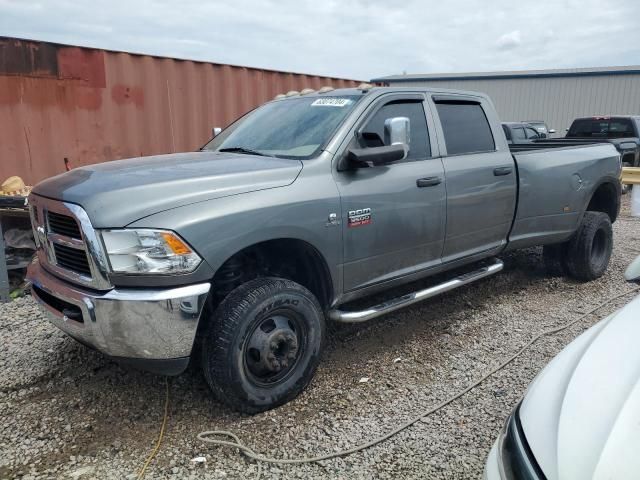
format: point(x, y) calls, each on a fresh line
point(557, 100)
point(90, 105)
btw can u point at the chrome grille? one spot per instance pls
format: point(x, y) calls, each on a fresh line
point(67, 244)
point(63, 225)
point(72, 259)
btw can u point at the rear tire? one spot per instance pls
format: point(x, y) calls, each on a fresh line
point(263, 344)
point(589, 251)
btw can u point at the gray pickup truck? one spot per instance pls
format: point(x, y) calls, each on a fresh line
point(236, 255)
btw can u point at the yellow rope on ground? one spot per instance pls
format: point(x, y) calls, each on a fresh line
point(161, 436)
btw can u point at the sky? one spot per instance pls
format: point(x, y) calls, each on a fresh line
point(360, 39)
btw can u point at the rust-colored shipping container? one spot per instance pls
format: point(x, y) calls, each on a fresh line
point(88, 105)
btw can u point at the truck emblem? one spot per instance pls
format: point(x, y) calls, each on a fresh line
point(359, 218)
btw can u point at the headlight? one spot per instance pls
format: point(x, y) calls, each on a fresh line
point(516, 459)
point(148, 251)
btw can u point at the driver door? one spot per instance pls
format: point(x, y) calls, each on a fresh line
point(393, 215)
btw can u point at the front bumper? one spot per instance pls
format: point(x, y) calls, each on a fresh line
point(152, 328)
point(492, 470)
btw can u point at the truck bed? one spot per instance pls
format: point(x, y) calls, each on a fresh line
point(555, 143)
point(561, 173)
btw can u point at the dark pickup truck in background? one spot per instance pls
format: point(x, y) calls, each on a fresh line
point(623, 132)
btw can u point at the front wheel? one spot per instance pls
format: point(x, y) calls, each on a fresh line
point(263, 344)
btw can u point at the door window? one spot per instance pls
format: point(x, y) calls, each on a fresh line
point(465, 126)
point(507, 133)
point(518, 133)
point(373, 131)
point(531, 133)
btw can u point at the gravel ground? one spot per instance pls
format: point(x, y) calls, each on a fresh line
point(67, 412)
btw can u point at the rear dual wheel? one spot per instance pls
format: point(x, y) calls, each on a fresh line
point(586, 255)
point(263, 344)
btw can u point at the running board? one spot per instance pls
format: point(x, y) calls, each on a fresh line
point(415, 297)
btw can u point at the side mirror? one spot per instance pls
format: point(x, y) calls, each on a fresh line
point(216, 131)
point(397, 135)
point(377, 155)
point(633, 271)
point(397, 131)
point(551, 131)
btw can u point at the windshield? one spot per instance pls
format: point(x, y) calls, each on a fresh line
point(601, 127)
point(292, 128)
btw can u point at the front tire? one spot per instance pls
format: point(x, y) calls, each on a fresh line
point(589, 251)
point(263, 344)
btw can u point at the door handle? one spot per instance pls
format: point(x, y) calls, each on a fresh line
point(428, 182)
point(500, 171)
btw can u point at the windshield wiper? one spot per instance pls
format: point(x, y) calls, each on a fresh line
point(243, 150)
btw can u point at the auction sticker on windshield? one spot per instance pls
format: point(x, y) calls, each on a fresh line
point(331, 102)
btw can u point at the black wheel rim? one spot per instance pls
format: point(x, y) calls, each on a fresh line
point(599, 247)
point(274, 347)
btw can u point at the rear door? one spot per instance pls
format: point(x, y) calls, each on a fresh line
point(480, 176)
point(393, 215)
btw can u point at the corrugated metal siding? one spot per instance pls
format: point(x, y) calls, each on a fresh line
point(91, 106)
point(557, 100)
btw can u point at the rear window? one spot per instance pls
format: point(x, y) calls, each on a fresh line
point(466, 128)
point(601, 128)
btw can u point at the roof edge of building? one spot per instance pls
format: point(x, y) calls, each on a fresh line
point(507, 75)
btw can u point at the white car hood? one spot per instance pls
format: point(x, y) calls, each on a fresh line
point(581, 415)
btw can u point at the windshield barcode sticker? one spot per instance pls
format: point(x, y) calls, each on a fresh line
point(331, 102)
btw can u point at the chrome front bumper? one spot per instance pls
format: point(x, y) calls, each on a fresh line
point(145, 324)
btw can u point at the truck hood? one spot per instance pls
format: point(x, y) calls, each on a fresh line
point(581, 415)
point(117, 193)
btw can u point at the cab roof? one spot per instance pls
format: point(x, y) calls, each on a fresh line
point(375, 90)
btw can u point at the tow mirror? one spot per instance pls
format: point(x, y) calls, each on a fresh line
point(633, 271)
point(397, 131)
point(397, 136)
point(216, 131)
point(377, 155)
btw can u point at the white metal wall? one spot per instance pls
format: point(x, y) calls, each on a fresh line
point(557, 100)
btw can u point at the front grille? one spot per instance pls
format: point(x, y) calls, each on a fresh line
point(72, 259)
point(63, 225)
point(68, 246)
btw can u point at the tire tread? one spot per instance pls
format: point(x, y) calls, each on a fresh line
point(221, 332)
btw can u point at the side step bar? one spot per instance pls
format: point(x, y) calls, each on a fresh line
point(415, 297)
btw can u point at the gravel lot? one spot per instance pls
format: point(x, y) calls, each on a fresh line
point(66, 412)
